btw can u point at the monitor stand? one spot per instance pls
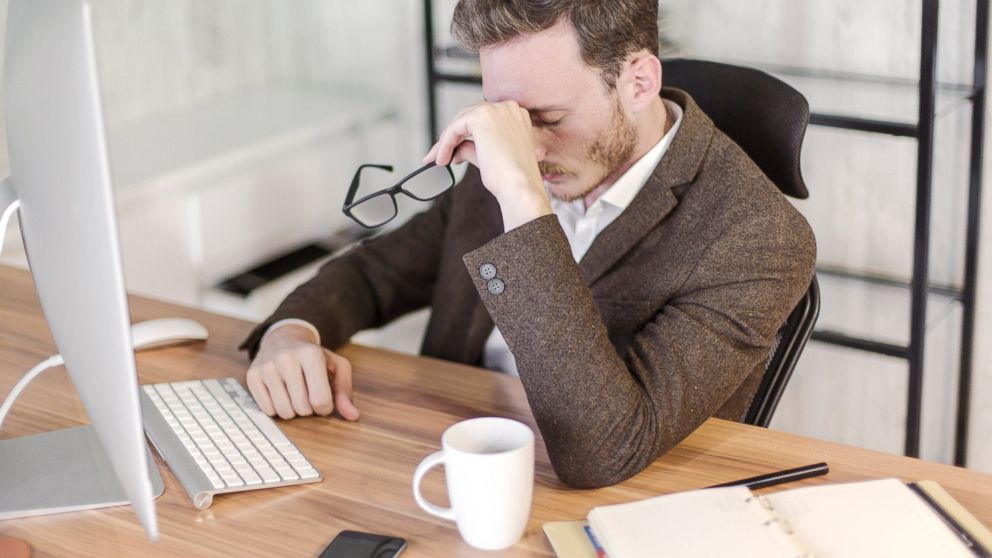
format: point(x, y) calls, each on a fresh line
point(61, 471)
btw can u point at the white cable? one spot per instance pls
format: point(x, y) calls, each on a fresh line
point(50, 362)
point(11, 204)
point(8, 205)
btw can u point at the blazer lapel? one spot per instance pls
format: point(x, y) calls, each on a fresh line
point(655, 201)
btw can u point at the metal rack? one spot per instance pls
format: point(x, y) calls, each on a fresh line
point(920, 287)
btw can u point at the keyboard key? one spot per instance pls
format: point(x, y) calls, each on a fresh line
point(308, 473)
point(269, 429)
point(287, 474)
point(247, 450)
point(251, 478)
point(297, 460)
point(268, 474)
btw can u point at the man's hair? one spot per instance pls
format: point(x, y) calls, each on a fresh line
point(607, 30)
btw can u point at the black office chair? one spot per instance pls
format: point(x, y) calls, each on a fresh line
point(767, 118)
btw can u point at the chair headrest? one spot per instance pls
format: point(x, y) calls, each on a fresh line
point(765, 116)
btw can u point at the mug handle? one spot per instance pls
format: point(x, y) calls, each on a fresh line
point(430, 461)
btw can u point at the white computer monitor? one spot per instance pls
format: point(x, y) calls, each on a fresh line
point(60, 178)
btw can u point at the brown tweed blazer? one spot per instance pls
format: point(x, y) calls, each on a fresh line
point(667, 320)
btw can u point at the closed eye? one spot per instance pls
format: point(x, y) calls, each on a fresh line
point(538, 123)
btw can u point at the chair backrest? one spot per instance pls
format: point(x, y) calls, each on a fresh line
point(790, 341)
point(767, 118)
point(761, 113)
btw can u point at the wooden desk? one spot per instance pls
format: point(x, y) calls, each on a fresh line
point(406, 404)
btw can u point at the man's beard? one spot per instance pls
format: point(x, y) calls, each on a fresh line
point(609, 152)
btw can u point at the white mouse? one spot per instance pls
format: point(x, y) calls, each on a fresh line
point(151, 334)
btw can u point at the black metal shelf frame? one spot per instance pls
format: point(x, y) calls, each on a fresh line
point(920, 287)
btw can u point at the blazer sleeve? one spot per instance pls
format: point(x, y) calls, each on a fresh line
point(378, 280)
point(606, 416)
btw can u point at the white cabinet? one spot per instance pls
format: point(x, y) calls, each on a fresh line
point(213, 190)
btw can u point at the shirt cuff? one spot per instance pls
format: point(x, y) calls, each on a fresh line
point(292, 321)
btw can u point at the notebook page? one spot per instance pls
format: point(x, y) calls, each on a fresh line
point(700, 523)
point(866, 519)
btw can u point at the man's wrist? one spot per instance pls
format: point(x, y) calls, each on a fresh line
point(300, 329)
point(523, 208)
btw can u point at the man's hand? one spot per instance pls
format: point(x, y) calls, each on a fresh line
point(292, 375)
point(498, 138)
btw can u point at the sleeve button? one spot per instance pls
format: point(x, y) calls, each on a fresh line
point(487, 271)
point(496, 286)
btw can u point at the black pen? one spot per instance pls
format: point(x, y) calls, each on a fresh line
point(779, 477)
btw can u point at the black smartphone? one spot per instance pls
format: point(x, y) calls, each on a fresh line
point(355, 544)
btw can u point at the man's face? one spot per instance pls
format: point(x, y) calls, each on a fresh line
point(581, 130)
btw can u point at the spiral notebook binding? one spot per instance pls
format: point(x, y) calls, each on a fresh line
point(782, 523)
point(765, 502)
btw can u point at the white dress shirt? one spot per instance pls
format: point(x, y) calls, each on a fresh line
point(582, 226)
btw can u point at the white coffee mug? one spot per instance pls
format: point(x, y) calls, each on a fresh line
point(489, 468)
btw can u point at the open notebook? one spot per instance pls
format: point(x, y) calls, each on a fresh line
point(864, 519)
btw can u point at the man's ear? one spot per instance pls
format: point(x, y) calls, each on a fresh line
point(641, 80)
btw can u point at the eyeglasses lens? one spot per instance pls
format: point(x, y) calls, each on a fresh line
point(375, 211)
point(429, 183)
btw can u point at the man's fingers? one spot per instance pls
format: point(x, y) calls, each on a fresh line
point(318, 386)
point(280, 398)
point(258, 390)
point(431, 155)
point(296, 387)
point(458, 121)
point(453, 134)
point(465, 153)
point(340, 369)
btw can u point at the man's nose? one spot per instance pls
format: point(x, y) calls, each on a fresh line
point(540, 151)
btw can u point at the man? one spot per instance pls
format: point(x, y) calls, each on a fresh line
point(636, 264)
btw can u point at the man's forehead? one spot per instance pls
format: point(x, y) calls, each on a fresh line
point(531, 102)
point(534, 103)
point(538, 71)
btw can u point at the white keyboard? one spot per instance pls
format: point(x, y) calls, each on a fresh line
point(216, 440)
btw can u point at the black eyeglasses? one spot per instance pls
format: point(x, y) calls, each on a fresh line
point(377, 206)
